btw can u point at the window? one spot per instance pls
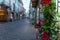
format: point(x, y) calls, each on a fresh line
point(58, 6)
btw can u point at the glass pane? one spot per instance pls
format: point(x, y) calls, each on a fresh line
point(58, 10)
point(58, 4)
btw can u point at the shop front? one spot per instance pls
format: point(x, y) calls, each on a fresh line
point(3, 13)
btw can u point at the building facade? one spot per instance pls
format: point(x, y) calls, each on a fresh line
point(15, 7)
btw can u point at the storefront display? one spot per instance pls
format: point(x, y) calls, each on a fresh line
point(3, 13)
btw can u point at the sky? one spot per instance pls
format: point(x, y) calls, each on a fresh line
point(26, 4)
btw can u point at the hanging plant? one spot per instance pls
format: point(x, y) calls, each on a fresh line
point(44, 2)
point(50, 27)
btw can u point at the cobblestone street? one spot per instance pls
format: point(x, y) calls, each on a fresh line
point(18, 30)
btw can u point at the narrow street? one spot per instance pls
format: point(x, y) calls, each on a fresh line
point(29, 19)
point(18, 30)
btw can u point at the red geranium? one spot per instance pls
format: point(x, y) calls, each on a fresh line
point(40, 31)
point(45, 36)
point(42, 22)
point(45, 2)
point(36, 26)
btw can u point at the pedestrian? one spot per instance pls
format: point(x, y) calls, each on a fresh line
point(11, 18)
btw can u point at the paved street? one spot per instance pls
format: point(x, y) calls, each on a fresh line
point(18, 30)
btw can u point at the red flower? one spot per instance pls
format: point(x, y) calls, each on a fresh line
point(45, 36)
point(36, 26)
point(40, 31)
point(45, 1)
point(39, 24)
point(42, 22)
